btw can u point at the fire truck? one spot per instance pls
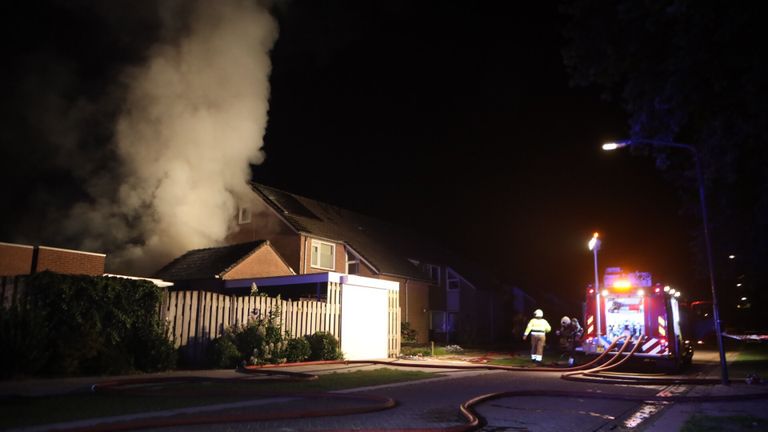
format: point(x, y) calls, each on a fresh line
point(629, 303)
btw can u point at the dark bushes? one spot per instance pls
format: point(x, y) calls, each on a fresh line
point(324, 346)
point(74, 325)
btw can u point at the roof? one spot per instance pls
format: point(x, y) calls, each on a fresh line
point(208, 263)
point(381, 244)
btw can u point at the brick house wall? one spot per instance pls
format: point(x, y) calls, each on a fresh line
point(414, 305)
point(262, 263)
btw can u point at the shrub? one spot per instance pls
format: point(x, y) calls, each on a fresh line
point(297, 350)
point(92, 325)
point(407, 334)
point(324, 346)
point(223, 353)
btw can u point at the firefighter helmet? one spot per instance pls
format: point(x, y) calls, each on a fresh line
point(564, 321)
point(538, 313)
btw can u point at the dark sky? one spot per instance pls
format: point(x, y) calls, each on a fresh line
point(455, 118)
point(458, 118)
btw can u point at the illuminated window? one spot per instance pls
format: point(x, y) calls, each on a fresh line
point(323, 255)
point(244, 215)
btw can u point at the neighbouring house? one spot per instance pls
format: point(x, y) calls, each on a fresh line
point(212, 290)
point(207, 269)
point(437, 298)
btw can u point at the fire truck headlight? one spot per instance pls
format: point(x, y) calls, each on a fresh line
point(640, 292)
point(667, 288)
point(677, 294)
point(605, 293)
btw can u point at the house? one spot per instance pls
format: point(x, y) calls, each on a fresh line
point(207, 269)
point(211, 290)
point(437, 299)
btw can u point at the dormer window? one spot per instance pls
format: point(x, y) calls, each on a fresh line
point(244, 215)
point(323, 255)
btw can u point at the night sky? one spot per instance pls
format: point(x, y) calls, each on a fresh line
point(453, 118)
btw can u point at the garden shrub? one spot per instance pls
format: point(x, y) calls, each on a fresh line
point(223, 352)
point(324, 346)
point(407, 334)
point(92, 325)
point(297, 350)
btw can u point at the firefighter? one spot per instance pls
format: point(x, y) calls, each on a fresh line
point(570, 334)
point(538, 327)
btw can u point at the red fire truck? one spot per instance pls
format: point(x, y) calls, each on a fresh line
point(629, 303)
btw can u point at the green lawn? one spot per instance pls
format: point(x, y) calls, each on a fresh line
point(43, 410)
point(752, 359)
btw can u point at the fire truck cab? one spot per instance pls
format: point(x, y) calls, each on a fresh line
point(629, 303)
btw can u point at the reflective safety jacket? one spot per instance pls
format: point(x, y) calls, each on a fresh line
point(538, 325)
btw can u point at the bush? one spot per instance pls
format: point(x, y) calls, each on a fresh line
point(407, 334)
point(91, 325)
point(324, 346)
point(298, 350)
point(223, 353)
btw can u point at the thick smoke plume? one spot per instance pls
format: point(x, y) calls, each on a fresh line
point(193, 120)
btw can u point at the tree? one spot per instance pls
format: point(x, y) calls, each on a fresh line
point(691, 72)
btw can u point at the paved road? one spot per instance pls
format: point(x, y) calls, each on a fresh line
point(434, 404)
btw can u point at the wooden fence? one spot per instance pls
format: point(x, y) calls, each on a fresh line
point(197, 317)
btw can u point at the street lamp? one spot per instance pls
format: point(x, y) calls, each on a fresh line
point(594, 246)
point(700, 179)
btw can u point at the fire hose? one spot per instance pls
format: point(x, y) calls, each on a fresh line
point(595, 371)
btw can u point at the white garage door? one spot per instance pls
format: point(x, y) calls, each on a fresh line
point(364, 318)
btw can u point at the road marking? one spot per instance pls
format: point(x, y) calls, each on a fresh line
point(647, 410)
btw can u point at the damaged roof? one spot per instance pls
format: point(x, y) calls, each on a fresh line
point(209, 262)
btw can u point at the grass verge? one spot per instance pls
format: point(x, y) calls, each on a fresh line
point(30, 411)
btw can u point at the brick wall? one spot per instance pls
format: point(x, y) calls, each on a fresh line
point(70, 261)
point(15, 259)
point(18, 259)
point(262, 263)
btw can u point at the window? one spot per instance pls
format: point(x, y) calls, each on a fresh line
point(244, 215)
point(323, 255)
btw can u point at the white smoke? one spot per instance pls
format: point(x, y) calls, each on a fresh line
point(193, 121)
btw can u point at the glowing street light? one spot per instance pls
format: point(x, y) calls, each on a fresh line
point(704, 223)
point(594, 246)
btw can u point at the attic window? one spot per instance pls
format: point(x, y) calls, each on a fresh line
point(323, 255)
point(244, 215)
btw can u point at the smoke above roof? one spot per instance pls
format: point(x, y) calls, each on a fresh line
point(191, 122)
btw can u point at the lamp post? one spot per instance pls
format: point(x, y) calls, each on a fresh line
point(708, 245)
point(594, 246)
